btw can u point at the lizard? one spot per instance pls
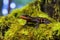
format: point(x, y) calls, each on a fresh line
point(35, 20)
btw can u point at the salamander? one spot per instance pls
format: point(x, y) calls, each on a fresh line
point(35, 20)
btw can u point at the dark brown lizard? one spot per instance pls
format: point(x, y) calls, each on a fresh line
point(35, 20)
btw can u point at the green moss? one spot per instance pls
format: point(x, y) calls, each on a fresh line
point(18, 31)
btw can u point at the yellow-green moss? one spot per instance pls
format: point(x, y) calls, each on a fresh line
point(17, 30)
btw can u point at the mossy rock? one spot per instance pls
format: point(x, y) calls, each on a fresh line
point(18, 31)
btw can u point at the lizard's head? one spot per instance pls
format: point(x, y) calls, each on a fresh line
point(24, 16)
